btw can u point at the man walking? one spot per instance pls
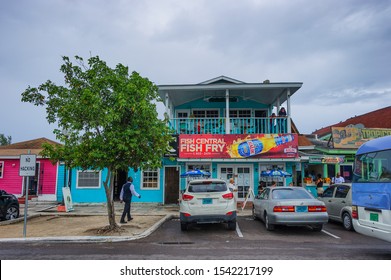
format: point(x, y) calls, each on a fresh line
point(126, 194)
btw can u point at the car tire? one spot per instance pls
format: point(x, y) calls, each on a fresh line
point(253, 214)
point(232, 225)
point(268, 226)
point(12, 212)
point(184, 226)
point(347, 221)
point(317, 228)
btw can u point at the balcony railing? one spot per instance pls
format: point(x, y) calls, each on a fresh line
point(237, 125)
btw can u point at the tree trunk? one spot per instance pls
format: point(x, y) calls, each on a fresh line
point(108, 184)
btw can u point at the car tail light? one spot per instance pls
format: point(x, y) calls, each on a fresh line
point(187, 197)
point(317, 208)
point(284, 209)
point(354, 212)
point(228, 196)
point(186, 214)
point(229, 213)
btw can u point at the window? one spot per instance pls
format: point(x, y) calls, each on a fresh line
point(1, 168)
point(204, 167)
point(88, 179)
point(342, 191)
point(328, 192)
point(150, 179)
point(239, 113)
point(206, 113)
point(373, 167)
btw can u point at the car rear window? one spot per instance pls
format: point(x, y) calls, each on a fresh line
point(207, 187)
point(291, 194)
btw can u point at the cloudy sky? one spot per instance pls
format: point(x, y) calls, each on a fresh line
point(339, 49)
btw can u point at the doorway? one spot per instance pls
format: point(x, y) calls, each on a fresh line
point(171, 185)
point(119, 180)
point(243, 175)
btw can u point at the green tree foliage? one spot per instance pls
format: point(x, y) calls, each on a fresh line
point(106, 118)
point(5, 140)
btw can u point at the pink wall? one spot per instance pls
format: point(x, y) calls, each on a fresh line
point(13, 183)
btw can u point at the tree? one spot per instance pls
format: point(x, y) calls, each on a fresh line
point(106, 118)
point(5, 140)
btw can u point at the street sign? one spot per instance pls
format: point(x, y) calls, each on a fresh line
point(27, 165)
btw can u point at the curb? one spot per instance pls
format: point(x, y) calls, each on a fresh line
point(91, 239)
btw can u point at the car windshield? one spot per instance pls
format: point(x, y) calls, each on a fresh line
point(290, 194)
point(207, 187)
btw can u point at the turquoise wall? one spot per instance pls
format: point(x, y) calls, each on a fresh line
point(201, 104)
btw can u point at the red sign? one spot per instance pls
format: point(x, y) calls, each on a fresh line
point(238, 146)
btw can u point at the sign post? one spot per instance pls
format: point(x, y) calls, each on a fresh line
point(27, 169)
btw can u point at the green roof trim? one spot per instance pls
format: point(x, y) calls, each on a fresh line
point(337, 151)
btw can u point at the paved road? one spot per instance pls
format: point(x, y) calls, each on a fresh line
point(250, 241)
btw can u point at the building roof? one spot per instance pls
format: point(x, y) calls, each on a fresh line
point(33, 146)
point(376, 119)
point(265, 92)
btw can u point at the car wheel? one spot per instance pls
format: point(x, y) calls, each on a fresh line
point(12, 212)
point(184, 226)
point(347, 221)
point(232, 225)
point(268, 226)
point(317, 228)
point(253, 214)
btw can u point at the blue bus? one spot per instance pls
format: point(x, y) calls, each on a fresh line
point(371, 189)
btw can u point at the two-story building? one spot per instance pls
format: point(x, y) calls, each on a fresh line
point(223, 126)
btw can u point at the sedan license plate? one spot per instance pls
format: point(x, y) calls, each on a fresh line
point(206, 201)
point(374, 217)
point(301, 209)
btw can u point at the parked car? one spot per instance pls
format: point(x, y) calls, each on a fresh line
point(290, 206)
point(207, 201)
point(338, 201)
point(9, 206)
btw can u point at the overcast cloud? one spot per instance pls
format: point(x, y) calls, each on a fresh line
point(340, 50)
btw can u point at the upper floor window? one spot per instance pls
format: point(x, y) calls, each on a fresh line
point(240, 113)
point(206, 113)
point(1, 168)
point(150, 179)
point(88, 179)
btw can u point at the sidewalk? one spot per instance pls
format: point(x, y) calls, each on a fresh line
point(148, 217)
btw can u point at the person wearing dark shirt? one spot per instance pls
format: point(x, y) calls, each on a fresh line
point(125, 196)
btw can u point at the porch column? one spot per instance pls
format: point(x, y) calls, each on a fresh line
point(167, 104)
point(288, 108)
point(227, 124)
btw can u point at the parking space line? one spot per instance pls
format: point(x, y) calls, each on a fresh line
point(238, 230)
point(332, 235)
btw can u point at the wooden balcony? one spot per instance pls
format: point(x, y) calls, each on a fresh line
point(237, 125)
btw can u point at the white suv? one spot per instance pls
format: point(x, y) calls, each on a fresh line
point(207, 201)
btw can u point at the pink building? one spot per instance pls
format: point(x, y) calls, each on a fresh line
point(43, 185)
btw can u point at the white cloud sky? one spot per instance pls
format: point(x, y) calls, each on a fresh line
point(340, 50)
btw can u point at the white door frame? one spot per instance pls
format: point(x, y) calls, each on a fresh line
point(235, 172)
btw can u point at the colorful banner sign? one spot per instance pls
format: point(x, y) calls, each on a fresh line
point(327, 159)
point(238, 146)
point(354, 137)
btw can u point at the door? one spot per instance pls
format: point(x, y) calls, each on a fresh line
point(243, 182)
point(243, 179)
point(171, 185)
point(119, 180)
point(33, 181)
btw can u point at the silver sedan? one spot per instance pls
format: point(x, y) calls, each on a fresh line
point(290, 206)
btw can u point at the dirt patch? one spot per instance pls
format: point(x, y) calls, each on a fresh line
point(56, 225)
